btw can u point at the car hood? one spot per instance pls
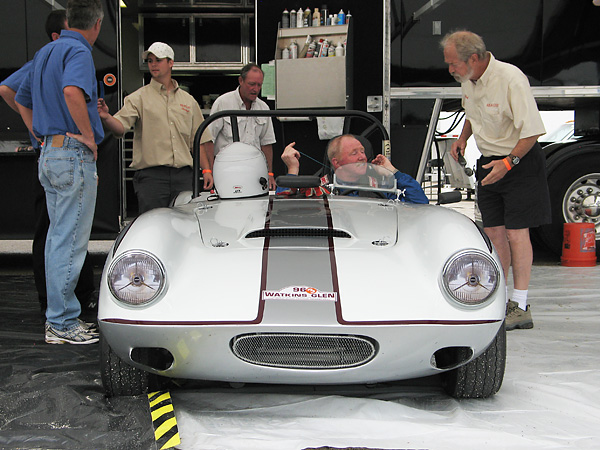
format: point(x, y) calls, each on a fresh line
point(365, 260)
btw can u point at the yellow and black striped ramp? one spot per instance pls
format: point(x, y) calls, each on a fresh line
point(163, 419)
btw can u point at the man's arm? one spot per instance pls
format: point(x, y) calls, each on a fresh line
point(461, 143)
point(291, 158)
point(9, 97)
point(113, 125)
point(499, 169)
point(27, 116)
point(268, 152)
point(78, 109)
point(206, 158)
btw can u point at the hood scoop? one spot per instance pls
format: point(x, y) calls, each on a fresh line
point(298, 233)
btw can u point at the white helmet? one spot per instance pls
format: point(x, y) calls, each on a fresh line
point(240, 170)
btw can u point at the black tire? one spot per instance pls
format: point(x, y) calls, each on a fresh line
point(482, 377)
point(574, 174)
point(121, 379)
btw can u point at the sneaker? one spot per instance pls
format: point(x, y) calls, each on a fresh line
point(75, 335)
point(90, 326)
point(516, 317)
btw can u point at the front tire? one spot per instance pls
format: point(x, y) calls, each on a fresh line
point(482, 377)
point(121, 379)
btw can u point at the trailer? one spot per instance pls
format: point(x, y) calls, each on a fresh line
point(394, 70)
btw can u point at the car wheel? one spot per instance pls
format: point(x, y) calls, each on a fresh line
point(482, 377)
point(121, 379)
point(575, 197)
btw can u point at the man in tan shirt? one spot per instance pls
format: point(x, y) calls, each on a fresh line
point(165, 119)
point(512, 191)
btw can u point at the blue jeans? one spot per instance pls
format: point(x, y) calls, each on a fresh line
point(67, 172)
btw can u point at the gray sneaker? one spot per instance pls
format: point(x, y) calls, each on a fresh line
point(75, 335)
point(516, 317)
point(92, 327)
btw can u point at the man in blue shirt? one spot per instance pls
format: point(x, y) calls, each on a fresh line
point(58, 103)
point(55, 23)
point(347, 149)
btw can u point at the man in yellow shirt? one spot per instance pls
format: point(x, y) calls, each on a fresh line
point(512, 191)
point(165, 119)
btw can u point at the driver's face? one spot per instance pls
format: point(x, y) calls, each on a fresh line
point(351, 152)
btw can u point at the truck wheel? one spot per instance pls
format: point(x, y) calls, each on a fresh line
point(121, 379)
point(575, 197)
point(482, 377)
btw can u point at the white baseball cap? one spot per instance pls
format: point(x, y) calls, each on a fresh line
point(160, 50)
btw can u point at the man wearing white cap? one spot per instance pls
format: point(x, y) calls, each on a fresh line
point(165, 119)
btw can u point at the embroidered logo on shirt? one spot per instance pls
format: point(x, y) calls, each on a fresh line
point(186, 108)
point(492, 105)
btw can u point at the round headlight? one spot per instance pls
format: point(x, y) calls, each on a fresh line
point(471, 277)
point(136, 278)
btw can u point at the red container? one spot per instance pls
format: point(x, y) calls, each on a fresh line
point(579, 245)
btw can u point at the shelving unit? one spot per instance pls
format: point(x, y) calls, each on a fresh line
point(324, 82)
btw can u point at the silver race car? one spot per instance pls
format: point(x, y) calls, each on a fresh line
point(316, 286)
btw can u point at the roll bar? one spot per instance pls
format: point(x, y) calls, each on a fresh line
point(310, 113)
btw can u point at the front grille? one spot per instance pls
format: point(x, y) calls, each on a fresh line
point(304, 351)
point(297, 232)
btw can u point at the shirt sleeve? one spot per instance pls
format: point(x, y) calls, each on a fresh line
point(526, 115)
point(413, 193)
point(130, 113)
point(217, 125)
point(198, 118)
point(268, 136)
point(23, 96)
point(79, 71)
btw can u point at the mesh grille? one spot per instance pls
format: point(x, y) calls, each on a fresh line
point(304, 351)
point(297, 232)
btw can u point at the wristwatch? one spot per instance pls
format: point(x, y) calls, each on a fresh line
point(514, 159)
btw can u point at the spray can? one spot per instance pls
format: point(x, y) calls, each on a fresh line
point(334, 19)
point(311, 49)
point(316, 18)
point(285, 19)
point(324, 14)
point(341, 17)
point(331, 51)
point(293, 50)
point(348, 17)
point(299, 18)
point(307, 22)
point(324, 49)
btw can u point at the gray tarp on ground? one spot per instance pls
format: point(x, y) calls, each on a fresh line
point(51, 396)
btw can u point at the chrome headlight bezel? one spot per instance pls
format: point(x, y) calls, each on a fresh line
point(470, 278)
point(141, 289)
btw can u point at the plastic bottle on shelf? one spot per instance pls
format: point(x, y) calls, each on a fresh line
point(285, 53)
point(331, 50)
point(316, 18)
point(294, 50)
point(339, 49)
point(285, 19)
point(341, 17)
point(299, 18)
point(334, 19)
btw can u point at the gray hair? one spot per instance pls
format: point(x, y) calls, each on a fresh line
point(335, 145)
point(83, 14)
point(247, 68)
point(466, 44)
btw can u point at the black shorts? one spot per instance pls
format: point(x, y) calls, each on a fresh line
point(520, 199)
